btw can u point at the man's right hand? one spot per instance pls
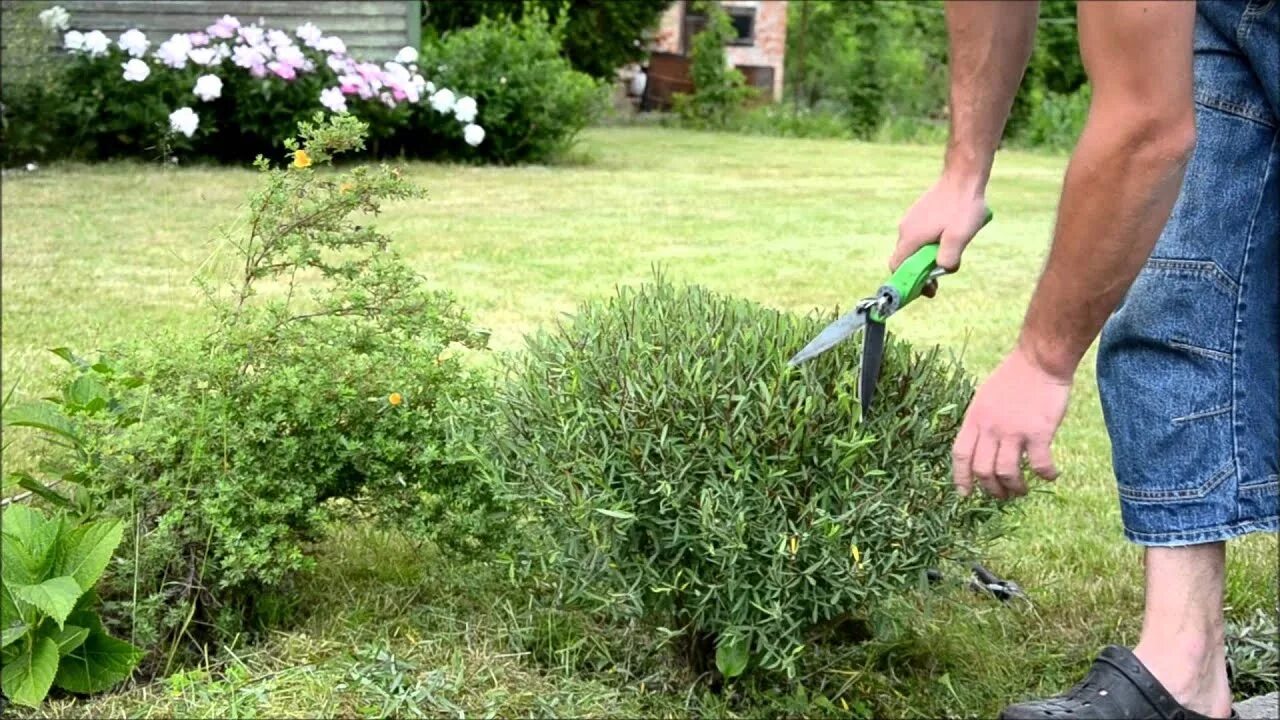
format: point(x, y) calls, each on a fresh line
point(949, 213)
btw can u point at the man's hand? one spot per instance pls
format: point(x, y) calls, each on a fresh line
point(949, 213)
point(1018, 409)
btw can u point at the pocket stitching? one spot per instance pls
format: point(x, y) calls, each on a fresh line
point(1252, 113)
point(1155, 496)
point(1203, 414)
point(1207, 269)
point(1265, 484)
point(1211, 353)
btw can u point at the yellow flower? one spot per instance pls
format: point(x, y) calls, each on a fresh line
point(395, 399)
point(345, 188)
point(857, 556)
point(794, 545)
point(301, 159)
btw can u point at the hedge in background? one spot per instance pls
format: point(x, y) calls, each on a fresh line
point(683, 473)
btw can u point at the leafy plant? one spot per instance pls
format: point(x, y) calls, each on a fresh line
point(719, 91)
point(330, 381)
point(1253, 653)
point(535, 103)
point(681, 472)
point(51, 632)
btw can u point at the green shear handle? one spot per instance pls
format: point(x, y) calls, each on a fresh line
point(908, 281)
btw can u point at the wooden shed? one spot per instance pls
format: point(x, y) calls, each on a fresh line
point(373, 29)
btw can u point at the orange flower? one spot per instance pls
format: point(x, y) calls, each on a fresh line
point(301, 159)
point(395, 399)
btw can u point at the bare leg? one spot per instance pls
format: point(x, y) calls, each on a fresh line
point(1183, 640)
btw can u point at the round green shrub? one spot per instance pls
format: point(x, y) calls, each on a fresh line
point(682, 472)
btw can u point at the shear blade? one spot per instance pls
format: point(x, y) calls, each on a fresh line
point(832, 335)
point(872, 354)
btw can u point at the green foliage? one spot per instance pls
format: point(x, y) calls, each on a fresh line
point(683, 473)
point(599, 37)
point(51, 633)
point(329, 371)
point(719, 91)
point(1058, 118)
point(535, 103)
point(1253, 653)
point(781, 120)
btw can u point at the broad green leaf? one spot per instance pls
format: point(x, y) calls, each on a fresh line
point(55, 597)
point(12, 632)
point(731, 659)
point(87, 549)
point(27, 677)
point(23, 522)
point(28, 549)
point(84, 606)
point(43, 416)
point(70, 637)
point(70, 357)
point(85, 389)
point(98, 664)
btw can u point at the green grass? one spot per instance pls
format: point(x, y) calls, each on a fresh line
point(96, 254)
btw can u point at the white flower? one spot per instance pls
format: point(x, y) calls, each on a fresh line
point(96, 44)
point(205, 56)
point(174, 51)
point(136, 70)
point(248, 57)
point(224, 51)
point(55, 18)
point(184, 120)
point(333, 99)
point(407, 55)
point(208, 87)
point(397, 71)
point(32, 167)
point(337, 64)
point(309, 34)
point(430, 87)
point(387, 99)
point(73, 40)
point(224, 28)
point(502, 80)
point(465, 109)
point(332, 44)
point(134, 42)
point(473, 134)
point(252, 34)
point(278, 38)
point(292, 56)
point(442, 100)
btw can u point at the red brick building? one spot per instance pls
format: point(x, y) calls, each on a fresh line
point(758, 50)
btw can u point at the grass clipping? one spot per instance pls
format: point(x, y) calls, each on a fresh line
point(681, 472)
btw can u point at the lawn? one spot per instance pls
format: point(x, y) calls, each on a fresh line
point(94, 254)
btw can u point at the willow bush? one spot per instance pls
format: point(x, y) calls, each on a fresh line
point(684, 474)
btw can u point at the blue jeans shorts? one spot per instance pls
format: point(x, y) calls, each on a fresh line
point(1189, 365)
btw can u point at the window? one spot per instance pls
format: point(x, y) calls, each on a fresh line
point(744, 25)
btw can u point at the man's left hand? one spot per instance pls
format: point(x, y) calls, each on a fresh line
point(1017, 410)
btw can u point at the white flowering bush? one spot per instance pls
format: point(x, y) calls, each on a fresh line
point(233, 90)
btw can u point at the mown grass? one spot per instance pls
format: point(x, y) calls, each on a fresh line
point(95, 254)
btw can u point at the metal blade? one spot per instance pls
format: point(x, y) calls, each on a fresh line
point(872, 354)
point(832, 335)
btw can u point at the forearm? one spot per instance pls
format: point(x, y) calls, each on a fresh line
point(990, 44)
point(1119, 190)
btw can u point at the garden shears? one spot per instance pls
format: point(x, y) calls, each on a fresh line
point(869, 314)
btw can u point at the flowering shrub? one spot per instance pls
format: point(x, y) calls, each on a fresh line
point(234, 90)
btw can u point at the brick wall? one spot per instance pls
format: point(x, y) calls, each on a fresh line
point(769, 46)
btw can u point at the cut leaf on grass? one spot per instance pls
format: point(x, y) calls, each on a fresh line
point(98, 664)
point(28, 677)
point(55, 597)
point(731, 659)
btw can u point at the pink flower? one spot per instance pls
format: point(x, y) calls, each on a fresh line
point(198, 39)
point(332, 98)
point(278, 39)
point(252, 35)
point(292, 56)
point(310, 34)
point(338, 64)
point(224, 28)
point(283, 70)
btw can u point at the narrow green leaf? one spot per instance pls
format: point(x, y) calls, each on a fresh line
point(70, 637)
point(87, 550)
point(731, 658)
point(70, 357)
point(619, 514)
point(27, 677)
point(55, 597)
point(98, 664)
point(28, 482)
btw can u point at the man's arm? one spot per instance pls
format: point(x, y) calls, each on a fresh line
point(1120, 187)
point(1124, 176)
point(990, 44)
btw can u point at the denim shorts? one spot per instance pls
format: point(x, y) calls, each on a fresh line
point(1189, 365)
